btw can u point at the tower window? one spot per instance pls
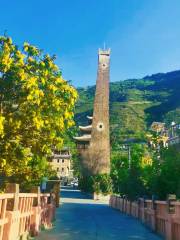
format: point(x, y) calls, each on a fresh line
point(100, 126)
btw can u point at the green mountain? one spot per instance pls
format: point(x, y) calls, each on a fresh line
point(135, 104)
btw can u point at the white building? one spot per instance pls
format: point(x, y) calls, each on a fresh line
point(61, 163)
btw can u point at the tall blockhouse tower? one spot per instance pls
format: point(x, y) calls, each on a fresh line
point(94, 144)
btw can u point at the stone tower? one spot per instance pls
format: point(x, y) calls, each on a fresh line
point(94, 145)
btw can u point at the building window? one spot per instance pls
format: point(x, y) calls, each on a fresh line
point(62, 169)
point(58, 160)
point(62, 160)
point(57, 169)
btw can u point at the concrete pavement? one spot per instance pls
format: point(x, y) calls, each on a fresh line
point(80, 218)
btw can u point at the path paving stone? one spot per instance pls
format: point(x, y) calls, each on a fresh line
point(80, 218)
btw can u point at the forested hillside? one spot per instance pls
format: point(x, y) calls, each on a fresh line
point(135, 103)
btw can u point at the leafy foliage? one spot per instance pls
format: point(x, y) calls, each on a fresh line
point(100, 183)
point(36, 109)
point(166, 173)
point(158, 177)
point(131, 180)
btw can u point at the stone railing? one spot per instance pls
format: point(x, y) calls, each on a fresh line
point(160, 216)
point(24, 214)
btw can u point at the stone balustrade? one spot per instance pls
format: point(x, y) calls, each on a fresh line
point(24, 214)
point(163, 217)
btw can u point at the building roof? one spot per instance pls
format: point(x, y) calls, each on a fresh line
point(63, 156)
point(86, 128)
point(84, 138)
point(90, 117)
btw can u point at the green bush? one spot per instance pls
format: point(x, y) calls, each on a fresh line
point(100, 183)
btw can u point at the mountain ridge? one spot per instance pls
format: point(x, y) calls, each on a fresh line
point(138, 101)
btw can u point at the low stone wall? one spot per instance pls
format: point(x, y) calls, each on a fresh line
point(163, 217)
point(24, 214)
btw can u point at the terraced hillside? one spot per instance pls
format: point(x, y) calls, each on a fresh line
point(135, 103)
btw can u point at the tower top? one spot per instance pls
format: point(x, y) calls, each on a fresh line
point(104, 51)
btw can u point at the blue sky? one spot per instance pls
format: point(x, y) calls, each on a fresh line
point(144, 35)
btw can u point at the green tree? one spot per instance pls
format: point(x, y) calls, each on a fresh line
point(166, 174)
point(133, 180)
point(119, 171)
point(36, 109)
point(99, 183)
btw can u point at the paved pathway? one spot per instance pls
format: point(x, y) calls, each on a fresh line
point(80, 218)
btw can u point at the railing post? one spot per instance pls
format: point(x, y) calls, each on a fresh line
point(139, 209)
point(118, 203)
point(13, 188)
point(114, 202)
point(36, 217)
point(36, 189)
point(52, 200)
point(170, 199)
point(56, 190)
point(125, 210)
point(170, 210)
point(123, 204)
point(153, 219)
point(110, 201)
point(11, 229)
point(130, 208)
point(142, 210)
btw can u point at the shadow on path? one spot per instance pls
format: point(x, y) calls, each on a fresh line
point(81, 218)
point(70, 192)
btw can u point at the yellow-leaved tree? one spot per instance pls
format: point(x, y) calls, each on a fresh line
point(36, 109)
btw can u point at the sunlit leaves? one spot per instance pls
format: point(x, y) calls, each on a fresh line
point(36, 106)
point(2, 119)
